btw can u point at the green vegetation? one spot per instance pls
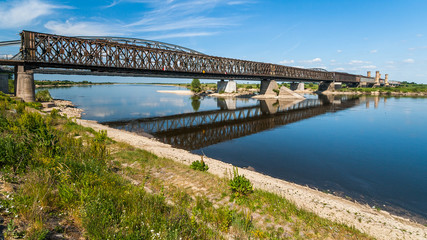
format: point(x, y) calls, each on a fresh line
point(405, 87)
point(312, 86)
point(61, 178)
point(11, 86)
point(240, 186)
point(199, 165)
point(43, 96)
point(196, 86)
point(63, 82)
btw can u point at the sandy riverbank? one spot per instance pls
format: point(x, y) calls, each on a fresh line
point(179, 92)
point(379, 224)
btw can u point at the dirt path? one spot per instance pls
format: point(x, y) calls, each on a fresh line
point(377, 223)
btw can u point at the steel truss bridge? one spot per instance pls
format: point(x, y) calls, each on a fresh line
point(144, 57)
point(200, 129)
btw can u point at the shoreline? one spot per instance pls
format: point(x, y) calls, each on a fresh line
point(377, 223)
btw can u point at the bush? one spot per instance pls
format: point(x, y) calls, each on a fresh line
point(43, 96)
point(199, 165)
point(196, 86)
point(240, 186)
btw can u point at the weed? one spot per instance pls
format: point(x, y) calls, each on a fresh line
point(43, 96)
point(199, 165)
point(240, 186)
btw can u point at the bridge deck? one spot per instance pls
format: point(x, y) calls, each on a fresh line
point(100, 55)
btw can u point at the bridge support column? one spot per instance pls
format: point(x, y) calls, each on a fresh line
point(326, 86)
point(25, 87)
point(287, 93)
point(268, 87)
point(377, 79)
point(227, 87)
point(297, 86)
point(4, 83)
point(386, 83)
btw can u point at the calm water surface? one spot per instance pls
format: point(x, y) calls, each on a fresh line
point(370, 149)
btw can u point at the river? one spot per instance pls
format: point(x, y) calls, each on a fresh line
point(370, 149)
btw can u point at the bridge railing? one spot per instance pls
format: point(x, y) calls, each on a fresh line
point(79, 52)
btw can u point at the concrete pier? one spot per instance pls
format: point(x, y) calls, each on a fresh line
point(326, 86)
point(267, 87)
point(226, 86)
point(297, 86)
point(4, 82)
point(25, 87)
point(286, 93)
point(386, 83)
point(377, 79)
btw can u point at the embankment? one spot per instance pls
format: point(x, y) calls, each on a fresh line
point(377, 223)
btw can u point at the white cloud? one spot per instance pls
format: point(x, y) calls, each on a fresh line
point(286, 62)
point(368, 67)
point(411, 49)
point(390, 62)
point(374, 51)
point(419, 35)
point(339, 51)
point(339, 69)
point(409, 60)
point(183, 34)
point(81, 28)
point(16, 14)
point(333, 61)
point(315, 60)
point(358, 62)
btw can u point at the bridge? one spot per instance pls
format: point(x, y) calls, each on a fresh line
point(197, 130)
point(104, 55)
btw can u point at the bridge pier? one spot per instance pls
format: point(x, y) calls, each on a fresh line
point(24, 84)
point(4, 83)
point(377, 79)
point(297, 86)
point(226, 86)
point(386, 83)
point(287, 93)
point(268, 87)
point(329, 86)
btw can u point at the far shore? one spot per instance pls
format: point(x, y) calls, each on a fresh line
point(377, 223)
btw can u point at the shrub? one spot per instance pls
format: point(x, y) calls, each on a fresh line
point(199, 165)
point(240, 186)
point(196, 86)
point(43, 96)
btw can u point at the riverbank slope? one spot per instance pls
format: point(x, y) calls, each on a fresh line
point(377, 223)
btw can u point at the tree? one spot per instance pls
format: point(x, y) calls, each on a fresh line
point(195, 85)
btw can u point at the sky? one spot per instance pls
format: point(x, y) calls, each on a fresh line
point(356, 36)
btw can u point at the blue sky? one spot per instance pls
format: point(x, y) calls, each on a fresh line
point(338, 35)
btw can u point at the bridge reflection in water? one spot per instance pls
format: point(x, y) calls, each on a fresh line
point(196, 130)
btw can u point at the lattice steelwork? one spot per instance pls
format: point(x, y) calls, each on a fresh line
point(106, 55)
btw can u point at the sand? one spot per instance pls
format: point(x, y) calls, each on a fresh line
point(377, 223)
point(179, 92)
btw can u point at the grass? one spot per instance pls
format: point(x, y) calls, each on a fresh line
point(403, 88)
point(62, 178)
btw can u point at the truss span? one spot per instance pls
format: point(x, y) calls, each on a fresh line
point(121, 55)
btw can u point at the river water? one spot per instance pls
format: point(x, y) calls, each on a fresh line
point(371, 149)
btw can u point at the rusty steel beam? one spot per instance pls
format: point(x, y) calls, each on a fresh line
point(47, 50)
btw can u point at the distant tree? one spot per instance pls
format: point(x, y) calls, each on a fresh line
point(196, 86)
